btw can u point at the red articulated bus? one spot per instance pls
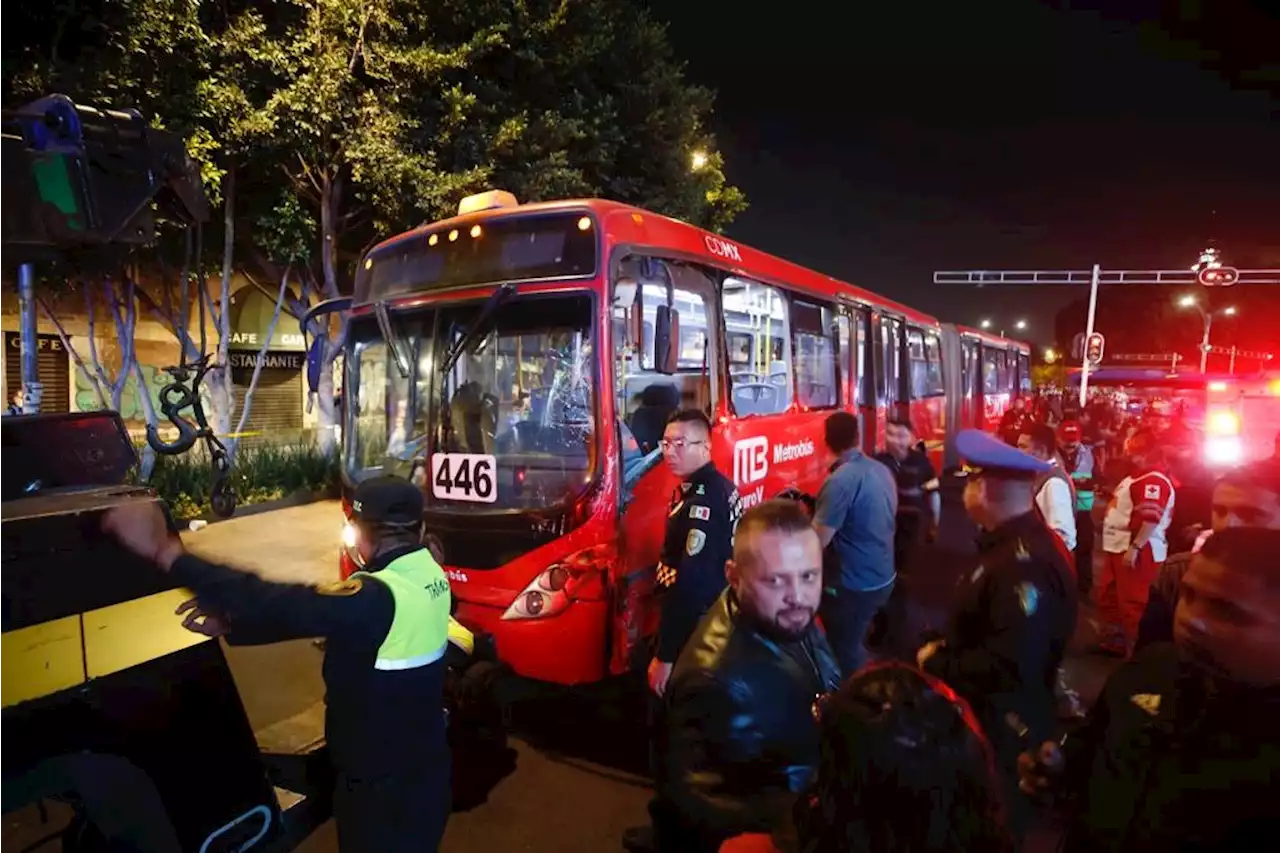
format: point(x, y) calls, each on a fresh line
point(519, 363)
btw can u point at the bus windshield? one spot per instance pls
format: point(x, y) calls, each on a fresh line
point(520, 397)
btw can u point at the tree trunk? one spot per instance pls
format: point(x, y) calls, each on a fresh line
point(221, 393)
point(330, 207)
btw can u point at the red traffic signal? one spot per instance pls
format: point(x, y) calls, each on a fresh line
point(1094, 348)
point(1218, 276)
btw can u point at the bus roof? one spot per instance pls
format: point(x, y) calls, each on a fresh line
point(631, 227)
point(993, 340)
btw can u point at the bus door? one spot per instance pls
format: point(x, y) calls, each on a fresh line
point(887, 345)
point(854, 329)
point(956, 373)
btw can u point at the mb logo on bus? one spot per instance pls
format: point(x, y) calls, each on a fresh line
point(750, 460)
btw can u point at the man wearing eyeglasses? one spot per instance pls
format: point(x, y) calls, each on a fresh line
point(699, 538)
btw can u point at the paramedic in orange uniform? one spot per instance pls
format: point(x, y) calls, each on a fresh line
point(1134, 542)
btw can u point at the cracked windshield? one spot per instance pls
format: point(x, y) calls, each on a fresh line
point(514, 417)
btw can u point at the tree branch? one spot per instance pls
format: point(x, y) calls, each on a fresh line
point(75, 356)
point(91, 313)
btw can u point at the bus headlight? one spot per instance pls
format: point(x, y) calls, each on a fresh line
point(350, 541)
point(579, 577)
point(1223, 450)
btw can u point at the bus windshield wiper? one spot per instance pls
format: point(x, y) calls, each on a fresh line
point(477, 327)
point(394, 343)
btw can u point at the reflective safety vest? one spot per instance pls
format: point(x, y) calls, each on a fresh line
point(419, 630)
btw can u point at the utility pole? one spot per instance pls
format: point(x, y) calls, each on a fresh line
point(1219, 276)
point(32, 390)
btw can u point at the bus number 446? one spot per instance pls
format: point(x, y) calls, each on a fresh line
point(464, 477)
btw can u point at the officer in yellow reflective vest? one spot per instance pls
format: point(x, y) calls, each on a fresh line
point(386, 630)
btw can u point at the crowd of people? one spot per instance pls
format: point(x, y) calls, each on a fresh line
point(777, 729)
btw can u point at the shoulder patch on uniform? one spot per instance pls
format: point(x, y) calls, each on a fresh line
point(350, 586)
point(1149, 702)
point(694, 543)
point(702, 513)
point(1028, 597)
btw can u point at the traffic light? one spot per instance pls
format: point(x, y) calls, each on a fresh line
point(1094, 348)
point(1218, 276)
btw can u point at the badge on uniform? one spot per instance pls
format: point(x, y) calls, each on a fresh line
point(350, 586)
point(1028, 597)
point(701, 490)
point(1151, 492)
point(694, 543)
point(1149, 702)
point(702, 513)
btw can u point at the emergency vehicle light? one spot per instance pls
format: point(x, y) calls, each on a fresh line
point(1274, 387)
point(490, 200)
point(1224, 422)
point(1217, 385)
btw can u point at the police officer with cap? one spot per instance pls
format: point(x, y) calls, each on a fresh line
point(387, 631)
point(1014, 612)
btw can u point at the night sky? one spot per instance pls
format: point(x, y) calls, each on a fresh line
point(889, 139)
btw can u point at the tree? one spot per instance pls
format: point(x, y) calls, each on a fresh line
point(109, 382)
point(360, 118)
point(585, 99)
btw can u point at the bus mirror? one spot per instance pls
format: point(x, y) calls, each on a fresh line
point(666, 339)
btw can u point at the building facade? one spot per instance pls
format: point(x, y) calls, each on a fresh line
point(278, 411)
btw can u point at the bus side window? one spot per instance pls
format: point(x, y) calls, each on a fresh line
point(1024, 373)
point(848, 374)
point(756, 316)
point(891, 350)
point(933, 370)
point(990, 371)
point(917, 364)
point(815, 355)
point(645, 398)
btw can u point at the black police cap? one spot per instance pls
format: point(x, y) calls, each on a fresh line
point(387, 500)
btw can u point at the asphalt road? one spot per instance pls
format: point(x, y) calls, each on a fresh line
point(580, 776)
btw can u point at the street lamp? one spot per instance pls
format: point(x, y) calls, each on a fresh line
point(1189, 301)
point(984, 324)
point(1050, 355)
point(698, 160)
point(1020, 325)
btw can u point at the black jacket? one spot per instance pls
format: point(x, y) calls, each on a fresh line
point(1014, 615)
point(1167, 762)
point(738, 739)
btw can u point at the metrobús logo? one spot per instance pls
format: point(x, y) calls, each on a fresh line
point(751, 463)
point(750, 460)
point(791, 452)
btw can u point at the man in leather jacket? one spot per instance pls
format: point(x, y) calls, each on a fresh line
point(739, 738)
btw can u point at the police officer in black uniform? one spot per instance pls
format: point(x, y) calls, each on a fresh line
point(698, 541)
point(387, 633)
point(1014, 612)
